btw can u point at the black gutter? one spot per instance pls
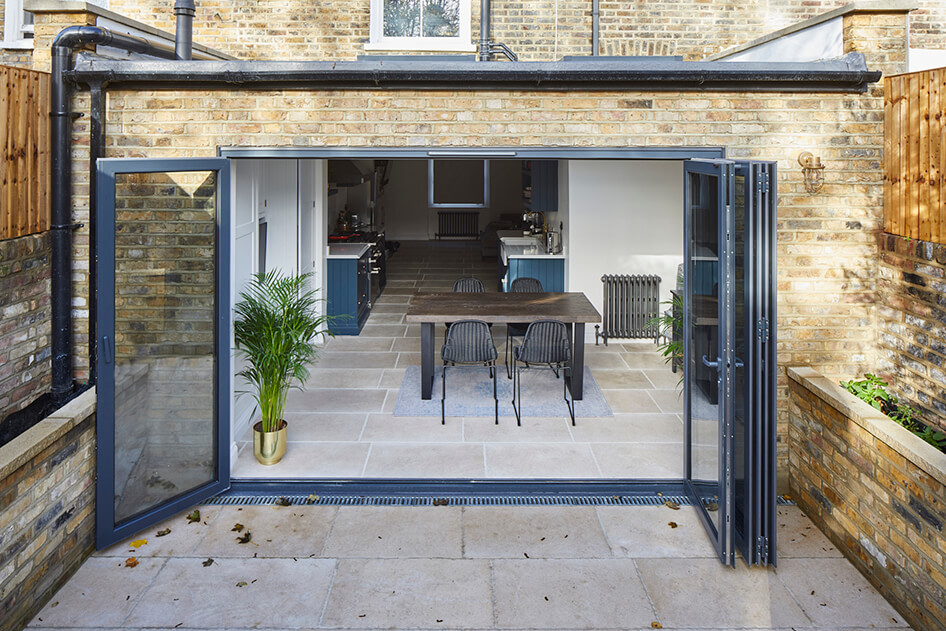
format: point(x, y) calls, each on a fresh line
point(848, 74)
point(61, 224)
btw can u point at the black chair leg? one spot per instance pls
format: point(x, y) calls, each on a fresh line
point(443, 395)
point(508, 353)
point(570, 404)
point(516, 392)
point(493, 371)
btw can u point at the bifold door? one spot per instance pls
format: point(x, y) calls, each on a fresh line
point(729, 358)
point(163, 246)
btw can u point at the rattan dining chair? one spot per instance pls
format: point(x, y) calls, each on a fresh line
point(521, 285)
point(468, 285)
point(469, 343)
point(545, 343)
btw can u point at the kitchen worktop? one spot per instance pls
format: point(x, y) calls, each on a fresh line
point(347, 250)
point(522, 247)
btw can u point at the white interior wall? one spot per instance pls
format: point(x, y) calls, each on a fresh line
point(624, 217)
point(279, 207)
point(405, 206)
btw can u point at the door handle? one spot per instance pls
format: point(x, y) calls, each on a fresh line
point(107, 349)
point(738, 363)
point(710, 364)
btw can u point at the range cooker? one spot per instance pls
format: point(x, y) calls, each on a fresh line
point(377, 255)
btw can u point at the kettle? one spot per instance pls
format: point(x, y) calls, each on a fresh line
point(553, 242)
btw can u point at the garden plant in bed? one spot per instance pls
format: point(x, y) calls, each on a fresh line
point(873, 390)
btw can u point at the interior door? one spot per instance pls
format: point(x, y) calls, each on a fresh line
point(163, 245)
point(729, 365)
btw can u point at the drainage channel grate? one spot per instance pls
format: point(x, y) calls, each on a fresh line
point(368, 500)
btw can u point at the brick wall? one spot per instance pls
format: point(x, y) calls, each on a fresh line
point(338, 29)
point(912, 321)
point(877, 491)
point(24, 321)
point(47, 492)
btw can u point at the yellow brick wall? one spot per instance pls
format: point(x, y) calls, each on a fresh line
point(338, 29)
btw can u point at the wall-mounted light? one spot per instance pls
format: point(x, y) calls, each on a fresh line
point(813, 171)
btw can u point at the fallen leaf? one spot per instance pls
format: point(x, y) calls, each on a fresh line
point(439, 619)
point(312, 499)
point(284, 501)
point(712, 506)
point(195, 516)
point(362, 615)
point(441, 502)
point(241, 584)
point(542, 539)
point(55, 604)
point(672, 524)
point(207, 563)
point(615, 498)
point(546, 598)
point(137, 543)
point(660, 494)
point(237, 528)
point(672, 505)
point(131, 562)
point(162, 533)
point(245, 538)
point(525, 555)
point(656, 625)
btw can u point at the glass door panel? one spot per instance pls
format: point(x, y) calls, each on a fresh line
point(706, 199)
point(163, 370)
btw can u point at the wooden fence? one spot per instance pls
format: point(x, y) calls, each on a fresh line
point(24, 142)
point(915, 155)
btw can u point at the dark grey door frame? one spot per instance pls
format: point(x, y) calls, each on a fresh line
point(492, 153)
point(107, 531)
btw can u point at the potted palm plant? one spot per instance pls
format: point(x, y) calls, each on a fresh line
point(276, 327)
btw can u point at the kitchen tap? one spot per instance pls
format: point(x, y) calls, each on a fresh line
point(531, 216)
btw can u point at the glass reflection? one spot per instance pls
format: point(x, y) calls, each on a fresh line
point(165, 262)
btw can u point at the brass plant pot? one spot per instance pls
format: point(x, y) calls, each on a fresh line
point(269, 447)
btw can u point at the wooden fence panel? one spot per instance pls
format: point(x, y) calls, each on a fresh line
point(24, 144)
point(915, 155)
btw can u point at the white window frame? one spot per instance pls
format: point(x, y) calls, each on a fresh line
point(461, 43)
point(13, 27)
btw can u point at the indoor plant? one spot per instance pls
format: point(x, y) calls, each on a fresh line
point(275, 329)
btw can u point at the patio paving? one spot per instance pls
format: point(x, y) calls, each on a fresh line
point(544, 567)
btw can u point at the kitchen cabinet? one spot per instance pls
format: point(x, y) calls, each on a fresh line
point(549, 271)
point(348, 286)
point(540, 185)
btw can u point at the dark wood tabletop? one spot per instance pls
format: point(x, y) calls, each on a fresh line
point(502, 307)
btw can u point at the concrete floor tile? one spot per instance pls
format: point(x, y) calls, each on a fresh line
point(645, 361)
point(384, 330)
point(605, 361)
point(833, 593)
point(532, 430)
point(357, 343)
point(410, 593)
point(277, 531)
point(543, 460)
point(407, 344)
point(705, 593)
point(665, 378)
point(236, 593)
point(406, 359)
point(323, 377)
point(798, 537)
point(425, 460)
point(533, 531)
point(623, 428)
point(181, 541)
point(569, 594)
point(640, 460)
point(100, 594)
point(324, 427)
point(630, 401)
point(641, 532)
point(392, 378)
point(306, 460)
point(397, 308)
point(385, 318)
point(621, 379)
point(669, 400)
point(395, 531)
point(325, 400)
point(330, 359)
point(410, 429)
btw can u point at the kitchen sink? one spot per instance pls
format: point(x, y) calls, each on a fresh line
point(520, 240)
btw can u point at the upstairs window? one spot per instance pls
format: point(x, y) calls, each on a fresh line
point(420, 25)
point(17, 25)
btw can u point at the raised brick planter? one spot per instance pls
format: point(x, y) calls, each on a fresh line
point(47, 520)
point(876, 490)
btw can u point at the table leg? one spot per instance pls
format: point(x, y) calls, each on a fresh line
point(577, 378)
point(426, 359)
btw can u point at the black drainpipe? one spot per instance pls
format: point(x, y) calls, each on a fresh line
point(61, 224)
point(184, 35)
point(487, 48)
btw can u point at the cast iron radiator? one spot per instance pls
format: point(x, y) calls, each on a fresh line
point(631, 304)
point(462, 224)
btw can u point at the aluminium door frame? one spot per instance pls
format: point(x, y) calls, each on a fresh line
point(106, 530)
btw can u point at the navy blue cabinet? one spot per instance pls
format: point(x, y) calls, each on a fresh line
point(550, 272)
point(541, 177)
point(349, 299)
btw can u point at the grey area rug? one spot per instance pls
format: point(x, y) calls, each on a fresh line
point(470, 393)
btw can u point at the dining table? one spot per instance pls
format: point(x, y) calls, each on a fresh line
point(572, 308)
